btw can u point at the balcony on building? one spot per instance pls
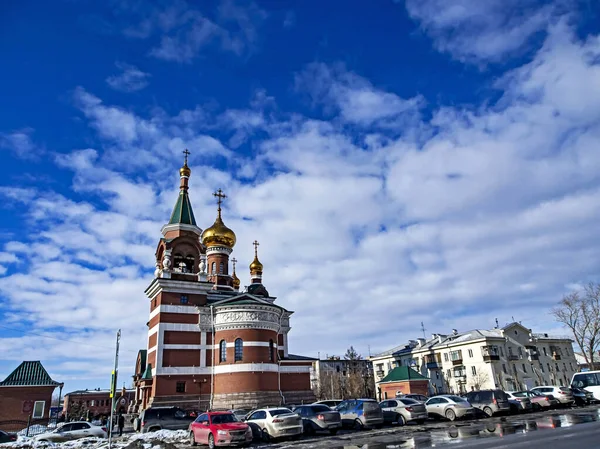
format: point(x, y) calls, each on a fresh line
point(456, 357)
point(460, 372)
point(379, 372)
point(513, 357)
point(555, 356)
point(556, 352)
point(532, 353)
point(433, 361)
point(490, 353)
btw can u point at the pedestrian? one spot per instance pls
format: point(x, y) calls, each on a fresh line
point(121, 424)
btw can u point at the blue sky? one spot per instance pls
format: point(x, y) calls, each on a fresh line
point(399, 161)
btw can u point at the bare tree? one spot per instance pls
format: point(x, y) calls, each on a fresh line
point(580, 312)
point(479, 380)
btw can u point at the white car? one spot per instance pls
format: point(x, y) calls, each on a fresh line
point(73, 431)
point(278, 422)
point(564, 395)
point(449, 406)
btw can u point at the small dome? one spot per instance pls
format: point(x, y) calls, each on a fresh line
point(218, 234)
point(185, 171)
point(236, 281)
point(256, 266)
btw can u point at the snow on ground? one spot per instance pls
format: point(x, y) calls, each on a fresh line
point(163, 439)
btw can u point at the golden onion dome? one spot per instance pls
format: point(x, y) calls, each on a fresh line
point(218, 234)
point(236, 281)
point(185, 171)
point(256, 265)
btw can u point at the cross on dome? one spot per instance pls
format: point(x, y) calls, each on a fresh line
point(221, 196)
point(255, 243)
point(186, 153)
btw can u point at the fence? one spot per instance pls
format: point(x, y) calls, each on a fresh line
point(28, 428)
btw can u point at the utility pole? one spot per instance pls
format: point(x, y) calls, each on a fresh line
point(113, 387)
point(423, 330)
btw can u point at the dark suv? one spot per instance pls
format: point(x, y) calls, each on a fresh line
point(156, 418)
point(490, 402)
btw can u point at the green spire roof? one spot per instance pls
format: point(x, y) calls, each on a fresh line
point(148, 374)
point(182, 212)
point(402, 373)
point(29, 374)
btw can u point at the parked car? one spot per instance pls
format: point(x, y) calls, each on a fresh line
point(219, 429)
point(416, 397)
point(491, 402)
point(360, 413)
point(72, 431)
point(157, 418)
point(582, 396)
point(319, 417)
point(564, 395)
point(331, 403)
point(449, 406)
point(538, 400)
point(240, 414)
point(403, 410)
point(6, 437)
point(274, 423)
point(520, 403)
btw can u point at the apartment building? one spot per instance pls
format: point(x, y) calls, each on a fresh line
point(510, 358)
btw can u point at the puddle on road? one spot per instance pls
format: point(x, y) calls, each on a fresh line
point(478, 429)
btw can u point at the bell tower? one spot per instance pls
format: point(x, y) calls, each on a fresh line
point(219, 241)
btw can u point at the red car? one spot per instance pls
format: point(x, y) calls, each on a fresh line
point(220, 429)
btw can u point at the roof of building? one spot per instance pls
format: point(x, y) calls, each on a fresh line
point(182, 212)
point(406, 347)
point(298, 357)
point(143, 353)
point(96, 391)
point(148, 373)
point(402, 373)
point(29, 374)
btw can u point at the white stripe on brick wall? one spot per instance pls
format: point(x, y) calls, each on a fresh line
point(171, 308)
point(173, 346)
point(226, 369)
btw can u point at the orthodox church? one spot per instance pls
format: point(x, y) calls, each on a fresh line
point(211, 345)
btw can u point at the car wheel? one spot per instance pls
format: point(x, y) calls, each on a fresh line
point(450, 414)
point(192, 439)
point(211, 441)
point(400, 420)
point(333, 431)
point(309, 429)
point(488, 411)
point(358, 425)
point(265, 435)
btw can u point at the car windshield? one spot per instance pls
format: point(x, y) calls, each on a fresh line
point(583, 380)
point(224, 418)
point(457, 399)
point(320, 408)
point(279, 411)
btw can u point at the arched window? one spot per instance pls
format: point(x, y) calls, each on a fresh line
point(222, 351)
point(221, 268)
point(179, 263)
point(271, 353)
point(214, 268)
point(239, 350)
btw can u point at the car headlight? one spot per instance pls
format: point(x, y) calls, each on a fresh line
point(221, 432)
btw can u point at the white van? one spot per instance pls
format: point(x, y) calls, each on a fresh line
point(588, 380)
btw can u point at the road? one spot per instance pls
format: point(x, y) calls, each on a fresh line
point(573, 428)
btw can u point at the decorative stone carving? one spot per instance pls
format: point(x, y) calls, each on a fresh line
point(245, 316)
point(205, 319)
point(202, 266)
point(167, 262)
point(157, 270)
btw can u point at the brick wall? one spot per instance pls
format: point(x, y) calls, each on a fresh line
point(13, 400)
point(414, 387)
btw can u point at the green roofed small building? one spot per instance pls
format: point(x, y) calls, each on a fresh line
point(403, 380)
point(27, 392)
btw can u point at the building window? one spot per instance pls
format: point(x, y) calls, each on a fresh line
point(524, 369)
point(445, 356)
point(93, 404)
point(222, 351)
point(515, 369)
point(470, 353)
point(542, 367)
point(567, 351)
point(239, 350)
point(221, 268)
point(571, 366)
point(565, 366)
point(271, 351)
point(557, 368)
point(38, 409)
point(214, 268)
point(437, 374)
point(154, 304)
point(549, 368)
point(504, 368)
point(448, 374)
point(183, 299)
point(473, 371)
point(501, 352)
point(180, 387)
point(510, 351)
point(520, 352)
point(544, 349)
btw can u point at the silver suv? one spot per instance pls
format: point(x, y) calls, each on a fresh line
point(491, 402)
point(157, 418)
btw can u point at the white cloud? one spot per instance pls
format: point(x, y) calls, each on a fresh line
point(20, 143)
point(473, 30)
point(357, 100)
point(131, 79)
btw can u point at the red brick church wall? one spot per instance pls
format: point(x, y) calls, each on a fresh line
point(16, 401)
